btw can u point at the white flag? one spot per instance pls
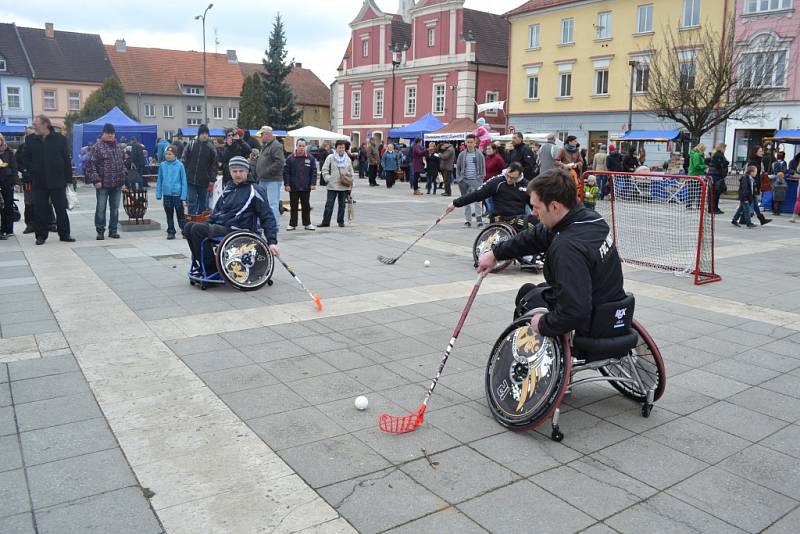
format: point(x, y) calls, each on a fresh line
point(491, 105)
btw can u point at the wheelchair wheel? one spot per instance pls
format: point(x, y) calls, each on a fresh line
point(244, 261)
point(492, 234)
point(526, 376)
point(649, 366)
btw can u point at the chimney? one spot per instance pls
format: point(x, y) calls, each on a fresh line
point(49, 32)
point(298, 65)
point(120, 46)
point(232, 59)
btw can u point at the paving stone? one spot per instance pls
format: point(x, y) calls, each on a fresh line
point(332, 460)
point(786, 525)
point(343, 413)
point(448, 520)
point(785, 347)
point(327, 388)
point(649, 461)
point(297, 427)
point(511, 509)
point(786, 441)
point(667, 515)
point(410, 396)
point(709, 384)
point(463, 423)
point(49, 387)
point(322, 343)
point(766, 467)
point(266, 400)
point(348, 359)
point(587, 394)
point(399, 349)
point(738, 420)
point(13, 493)
point(252, 336)
point(10, 456)
point(769, 360)
point(121, 512)
point(769, 403)
point(373, 333)
point(377, 377)
point(7, 423)
point(292, 330)
point(65, 441)
point(691, 356)
point(740, 371)
point(214, 361)
point(275, 350)
point(409, 447)
point(599, 528)
point(697, 440)
point(786, 384)
point(683, 401)
point(540, 452)
point(586, 433)
point(17, 524)
point(5, 395)
point(381, 500)
point(194, 345)
point(42, 367)
point(30, 328)
point(298, 368)
point(733, 499)
point(593, 488)
point(237, 379)
point(41, 414)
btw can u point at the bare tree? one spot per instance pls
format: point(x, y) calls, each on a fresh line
point(701, 78)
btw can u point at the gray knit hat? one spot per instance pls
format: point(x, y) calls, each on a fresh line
point(239, 162)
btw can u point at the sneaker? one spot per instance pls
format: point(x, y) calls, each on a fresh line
point(736, 224)
point(310, 227)
point(792, 220)
point(468, 224)
point(751, 225)
point(3, 236)
point(291, 228)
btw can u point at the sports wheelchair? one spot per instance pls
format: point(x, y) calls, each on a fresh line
point(527, 375)
point(503, 230)
point(242, 259)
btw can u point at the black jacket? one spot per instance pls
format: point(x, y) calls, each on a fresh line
point(629, 163)
point(8, 175)
point(46, 161)
point(614, 162)
point(583, 268)
point(300, 173)
point(200, 160)
point(137, 156)
point(508, 200)
point(748, 187)
point(523, 155)
point(718, 168)
point(245, 207)
point(237, 148)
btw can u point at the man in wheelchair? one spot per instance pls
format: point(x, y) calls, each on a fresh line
point(583, 269)
point(242, 206)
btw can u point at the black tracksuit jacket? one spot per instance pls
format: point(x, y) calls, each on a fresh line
point(509, 200)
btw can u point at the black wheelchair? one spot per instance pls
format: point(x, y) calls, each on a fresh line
point(503, 230)
point(527, 375)
point(242, 259)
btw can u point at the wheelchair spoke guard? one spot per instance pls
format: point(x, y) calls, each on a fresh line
point(491, 235)
point(244, 261)
point(648, 365)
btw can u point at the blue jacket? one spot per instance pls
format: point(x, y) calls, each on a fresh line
point(245, 207)
point(160, 148)
point(390, 161)
point(171, 180)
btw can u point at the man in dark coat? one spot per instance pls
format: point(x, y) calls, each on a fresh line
point(46, 158)
point(299, 179)
point(522, 154)
point(137, 155)
point(200, 159)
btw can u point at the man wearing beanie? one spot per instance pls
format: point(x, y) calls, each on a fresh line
point(200, 160)
point(242, 206)
point(234, 146)
point(105, 169)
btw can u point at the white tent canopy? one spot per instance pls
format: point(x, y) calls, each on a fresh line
point(540, 138)
point(312, 133)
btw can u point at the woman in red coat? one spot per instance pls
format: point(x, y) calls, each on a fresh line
point(494, 162)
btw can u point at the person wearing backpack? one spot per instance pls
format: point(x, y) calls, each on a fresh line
point(338, 173)
point(200, 161)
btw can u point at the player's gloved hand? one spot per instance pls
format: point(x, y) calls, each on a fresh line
point(274, 250)
point(486, 262)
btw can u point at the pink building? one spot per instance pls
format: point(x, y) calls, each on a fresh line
point(435, 56)
point(768, 32)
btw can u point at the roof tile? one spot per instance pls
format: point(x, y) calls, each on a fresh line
point(12, 51)
point(68, 56)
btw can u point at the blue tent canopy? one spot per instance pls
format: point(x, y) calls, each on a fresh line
point(654, 136)
point(220, 132)
point(791, 137)
point(424, 125)
point(12, 129)
point(87, 133)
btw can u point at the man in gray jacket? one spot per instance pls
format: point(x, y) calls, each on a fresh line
point(547, 154)
point(470, 170)
point(269, 170)
point(447, 159)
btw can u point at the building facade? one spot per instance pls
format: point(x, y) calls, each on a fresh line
point(570, 64)
point(15, 75)
point(435, 56)
point(67, 67)
point(768, 34)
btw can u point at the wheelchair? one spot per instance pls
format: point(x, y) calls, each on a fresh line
point(527, 375)
point(242, 259)
point(500, 231)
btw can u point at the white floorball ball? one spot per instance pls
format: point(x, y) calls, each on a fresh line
point(427, 263)
point(361, 403)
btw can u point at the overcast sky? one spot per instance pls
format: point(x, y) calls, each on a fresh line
point(316, 31)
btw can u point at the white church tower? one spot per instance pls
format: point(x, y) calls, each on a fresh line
point(405, 10)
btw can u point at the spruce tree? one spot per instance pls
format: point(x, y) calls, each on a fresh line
point(252, 104)
point(280, 107)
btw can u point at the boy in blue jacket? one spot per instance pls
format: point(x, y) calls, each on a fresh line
point(172, 185)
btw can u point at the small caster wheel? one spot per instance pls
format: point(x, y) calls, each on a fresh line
point(270, 282)
point(191, 282)
point(474, 265)
point(646, 409)
point(557, 435)
point(203, 286)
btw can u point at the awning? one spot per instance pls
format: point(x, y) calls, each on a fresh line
point(192, 132)
point(654, 136)
point(530, 137)
point(456, 130)
point(426, 124)
point(12, 129)
point(310, 133)
point(791, 137)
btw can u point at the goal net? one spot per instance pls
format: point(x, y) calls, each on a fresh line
point(661, 222)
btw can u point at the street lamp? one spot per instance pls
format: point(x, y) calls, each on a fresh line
point(396, 49)
point(205, 79)
point(633, 64)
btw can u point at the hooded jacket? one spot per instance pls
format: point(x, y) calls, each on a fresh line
point(245, 207)
point(200, 162)
point(583, 268)
point(171, 180)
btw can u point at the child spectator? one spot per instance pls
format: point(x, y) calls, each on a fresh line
point(172, 185)
point(590, 192)
point(779, 187)
point(747, 187)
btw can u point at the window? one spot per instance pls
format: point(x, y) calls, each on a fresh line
point(149, 110)
point(169, 134)
point(411, 101)
point(762, 6)
point(565, 85)
point(562, 135)
point(764, 69)
point(168, 111)
point(567, 31)
point(492, 96)
point(355, 105)
point(3, 66)
point(74, 101)
point(601, 82)
point(533, 36)
point(13, 98)
point(194, 109)
point(377, 103)
point(192, 90)
point(217, 112)
point(233, 114)
point(533, 87)
point(641, 77)
point(687, 70)
point(603, 26)
point(194, 122)
point(438, 98)
point(691, 13)
point(365, 48)
point(644, 18)
point(49, 97)
point(431, 37)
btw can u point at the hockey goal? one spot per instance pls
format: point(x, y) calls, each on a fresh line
point(661, 222)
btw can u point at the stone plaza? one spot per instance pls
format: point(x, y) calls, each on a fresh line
point(132, 402)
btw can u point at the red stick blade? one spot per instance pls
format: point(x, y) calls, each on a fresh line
point(318, 302)
point(402, 424)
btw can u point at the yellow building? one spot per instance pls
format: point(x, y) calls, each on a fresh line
point(570, 62)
